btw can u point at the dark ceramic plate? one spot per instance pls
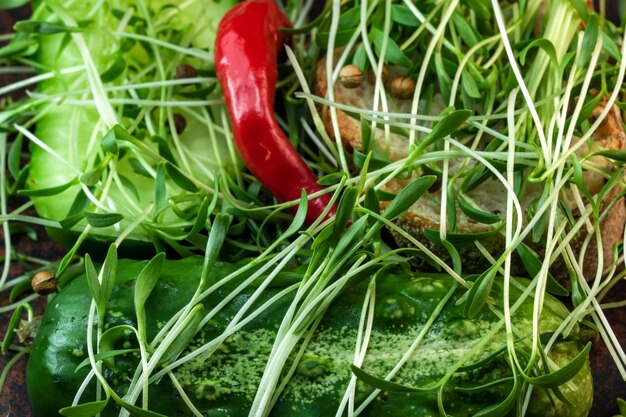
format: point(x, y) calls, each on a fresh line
point(14, 401)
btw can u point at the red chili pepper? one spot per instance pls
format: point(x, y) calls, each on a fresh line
point(247, 45)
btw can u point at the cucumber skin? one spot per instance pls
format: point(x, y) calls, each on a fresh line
point(52, 380)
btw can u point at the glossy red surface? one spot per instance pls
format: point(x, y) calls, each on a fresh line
point(246, 49)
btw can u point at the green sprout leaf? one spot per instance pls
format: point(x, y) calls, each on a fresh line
point(581, 8)
point(484, 387)
point(618, 156)
point(578, 177)
point(108, 272)
point(532, 263)
point(180, 179)
point(116, 133)
point(558, 394)
point(332, 178)
point(84, 410)
point(469, 85)
point(501, 409)
point(15, 156)
point(404, 16)
point(92, 278)
point(106, 355)
point(130, 186)
point(349, 239)
point(101, 286)
point(298, 219)
point(103, 219)
point(608, 44)
point(366, 135)
point(14, 323)
point(479, 293)
point(19, 48)
point(44, 192)
point(393, 53)
point(160, 191)
point(466, 32)
point(360, 57)
point(43, 28)
point(13, 4)
point(621, 404)
point(408, 196)
point(111, 338)
point(68, 222)
point(481, 8)
point(185, 336)
point(564, 374)
point(590, 38)
point(92, 177)
point(201, 218)
point(589, 106)
point(446, 126)
point(114, 71)
point(134, 410)
point(360, 160)
point(459, 240)
point(138, 168)
point(146, 281)
point(541, 43)
point(383, 384)
point(454, 255)
point(372, 202)
point(475, 213)
point(80, 204)
point(344, 209)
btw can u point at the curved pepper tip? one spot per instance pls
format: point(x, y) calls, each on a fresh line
point(246, 48)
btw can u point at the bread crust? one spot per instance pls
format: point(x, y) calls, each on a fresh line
point(610, 135)
point(424, 214)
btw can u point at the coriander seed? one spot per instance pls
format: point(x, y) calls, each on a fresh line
point(351, 76)
point(185, 71)
point(402, 87)
point(180, 123)
point(44, 282)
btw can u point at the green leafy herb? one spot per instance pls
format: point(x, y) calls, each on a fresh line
point(84, 410)
point(44, 28)
point(564, 374)
point(479, 292)
point(445, 127)
point(43, 192)
point(144, 285)
point(589, 39)
point(101, 285)
point(103, 219)
point(393, 53)
point(408, 196)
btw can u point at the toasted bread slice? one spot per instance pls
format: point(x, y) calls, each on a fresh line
point(490, 196)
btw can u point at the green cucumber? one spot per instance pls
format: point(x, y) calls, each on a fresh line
point(71, 126)
point(225, 384)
